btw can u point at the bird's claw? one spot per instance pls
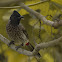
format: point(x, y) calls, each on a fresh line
point(17, 47)
point(12, 42)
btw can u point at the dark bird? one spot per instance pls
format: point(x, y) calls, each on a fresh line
point(17, 32)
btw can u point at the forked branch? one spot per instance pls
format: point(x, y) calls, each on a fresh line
point(36, 49)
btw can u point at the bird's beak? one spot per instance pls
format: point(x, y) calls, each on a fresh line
point(21, 17)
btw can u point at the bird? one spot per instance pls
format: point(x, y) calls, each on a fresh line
point(17, 32)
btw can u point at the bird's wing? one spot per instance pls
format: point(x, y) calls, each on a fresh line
point(24, 31)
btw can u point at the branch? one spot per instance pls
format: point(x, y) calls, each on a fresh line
point(37, 47)
point(46, 45)
point(38, 15)
point(7, 3)
point(41, 17)
point(20, 50)
point(13, 7)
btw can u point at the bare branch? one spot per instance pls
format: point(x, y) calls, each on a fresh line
point(46, 45)
point(6, 3)
point(37, 47)
point(41, 17)
point(38, 15)
point(20, 50)
point(37, 3)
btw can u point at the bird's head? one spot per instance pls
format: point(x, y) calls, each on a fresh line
point(15, 18)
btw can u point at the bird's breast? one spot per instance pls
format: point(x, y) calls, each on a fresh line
point(14, 32)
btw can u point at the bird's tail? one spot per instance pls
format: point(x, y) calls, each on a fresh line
point(31, 48)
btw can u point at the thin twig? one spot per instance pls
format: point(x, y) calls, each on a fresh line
point(46, 45)
point(37, 15)
point(36, 49)
point(13, 7)
point(8, 3)
point(41, 17)
point(40, 29)
point(20, 50)
point(33, 34)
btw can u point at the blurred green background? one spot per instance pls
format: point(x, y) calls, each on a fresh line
point(53, 8)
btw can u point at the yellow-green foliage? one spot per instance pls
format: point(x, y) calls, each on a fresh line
point(46, 36)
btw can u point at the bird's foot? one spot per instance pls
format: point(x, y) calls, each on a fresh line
point(12, 42)
point(19, 46)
